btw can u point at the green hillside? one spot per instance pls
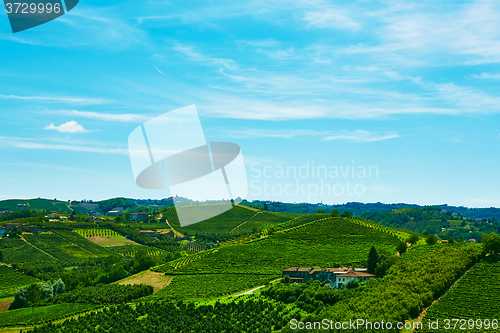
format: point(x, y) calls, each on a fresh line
point(35, 204)
point(329, 242)
point(475, 296)
point(11, 280)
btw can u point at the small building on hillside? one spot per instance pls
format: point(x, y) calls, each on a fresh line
point(4, 212)
point(148, 232)
point(113, 213)
point(52, 216)
point(444, 241)
point(10, 226)
point(472, 240)
point(338, 276)
point(139, 216)
point(167, 233)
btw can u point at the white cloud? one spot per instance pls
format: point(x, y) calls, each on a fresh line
point(486, 76)
point(60, 99)
point(204, 59)
point(273, 133)
point(331, 18)
point(362, 136)
point(41, 143)
point(68, 127)
point(117, 117)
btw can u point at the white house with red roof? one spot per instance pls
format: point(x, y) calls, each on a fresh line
point(338, 276)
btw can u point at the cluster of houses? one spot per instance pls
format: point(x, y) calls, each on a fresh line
point(337, 276)
point(21, 226)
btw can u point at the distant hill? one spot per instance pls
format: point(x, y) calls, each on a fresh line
point(359, 208)
point(35, 204)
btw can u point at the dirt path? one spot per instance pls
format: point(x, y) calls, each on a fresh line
point(248, 292)
point(4, 306)
point(174, 231)
point(424, 311)
point(239, 225)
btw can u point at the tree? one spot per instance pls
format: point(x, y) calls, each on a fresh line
point(335, 213)
point(372, 260)
point(402, 247)
point(265, 206)
point(413, 239)
point(1, 256)
point(346, 214)
point(321, 211)
point(73, 216)
point(351, 284)
point(491, 243)
point(431, 239)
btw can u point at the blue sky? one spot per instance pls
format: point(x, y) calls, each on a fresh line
point(411, 89)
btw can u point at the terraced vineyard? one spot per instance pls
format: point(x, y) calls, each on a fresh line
point(36, 315)
point(221, 223)
point(11, 280)
point(131, 250)
point(475, 296)
point(17, 251)
point(81, 241)
point(58, 247)
point(104, 238)
point(260, 221)
point(97, 232)
point(325, 243)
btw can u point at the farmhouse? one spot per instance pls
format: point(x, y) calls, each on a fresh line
point(53, 216)
point(113, 213)
point(337, 276)
point(148, 232)
point(139, 216)
point(167, 233)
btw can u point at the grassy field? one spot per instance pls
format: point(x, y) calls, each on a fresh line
point(157, 280)
point(11, 280)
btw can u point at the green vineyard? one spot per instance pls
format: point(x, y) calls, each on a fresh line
point(37, 315)
point(329, 242)
point(475, 296)
point(11, 280)
point(97, 232)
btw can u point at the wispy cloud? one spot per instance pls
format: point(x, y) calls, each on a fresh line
point(48, 144)
point(362, 136)
point(116, 117)
point(486, 76)
point(58, 99)
point(272, 133)
point(68, 127)
point(204, 59)
point(355, 136)
point(34, 145)
point(331, 18)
